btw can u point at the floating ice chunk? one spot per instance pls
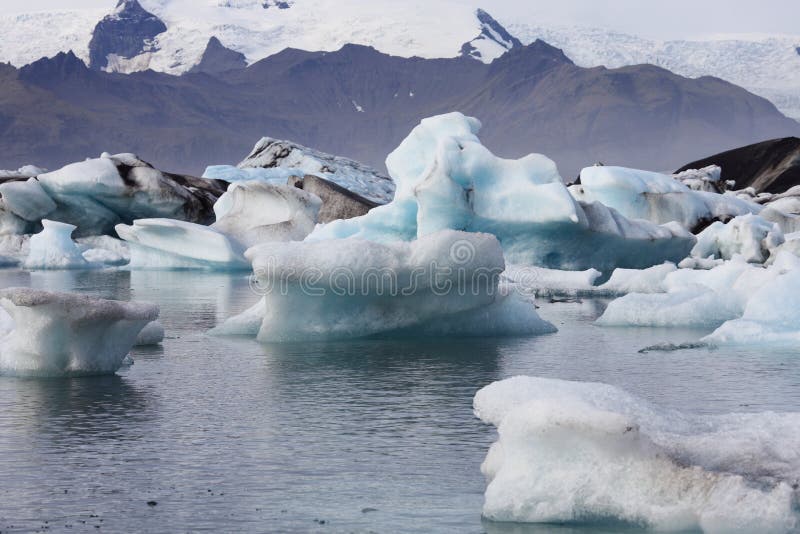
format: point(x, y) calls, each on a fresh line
point(656, 197)
point(692, 298)
point(650, 280)
point(447, 180)
point(791, 245)
point(297, 160)
point(697, 298)
point(771, 316)
point(750, 236)
point(696, 307)
point(443, 283)
point(587, 452)
point(53, 248)
point(706, 179)
point(171, 244)
point(27, 200)
point(151, 334)
point(103, 249)
point(543, 282)
point(247, 214)
point(57, 334)
point(96, 194)
point(257, 212)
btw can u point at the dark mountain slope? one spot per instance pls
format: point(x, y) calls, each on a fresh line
point(771, 166)
point(360, 103)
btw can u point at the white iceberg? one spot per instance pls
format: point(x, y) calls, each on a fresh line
point(171, 244)
point(446, 283)
point(543, 282)
point(247, 214)
point(447, 180)
point(749, 236)
point(572, 452)
point(705, 298)
point(151, 334)
point(27, 200)
point(771, 315)
point(655, 197)
point(53, 248)
point(257, 212)
point(59, 334)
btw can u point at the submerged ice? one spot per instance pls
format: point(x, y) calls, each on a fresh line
point(583, 452)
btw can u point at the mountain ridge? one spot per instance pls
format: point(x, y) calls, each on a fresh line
point(360, 103)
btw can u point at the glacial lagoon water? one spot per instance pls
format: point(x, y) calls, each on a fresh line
point(225, 434)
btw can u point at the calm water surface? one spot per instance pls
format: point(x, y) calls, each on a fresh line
point(363, 436)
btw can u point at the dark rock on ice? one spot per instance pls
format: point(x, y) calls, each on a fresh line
point(337, 202)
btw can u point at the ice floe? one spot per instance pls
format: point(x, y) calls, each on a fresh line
point(575, 452)
point(58, 334)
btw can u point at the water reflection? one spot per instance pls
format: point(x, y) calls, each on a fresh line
point(69, 411)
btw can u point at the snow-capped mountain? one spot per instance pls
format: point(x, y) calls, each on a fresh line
point(493, 41)
point(768, 66)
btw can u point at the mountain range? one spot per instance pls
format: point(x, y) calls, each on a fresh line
point(358, 101)
point(767, 65)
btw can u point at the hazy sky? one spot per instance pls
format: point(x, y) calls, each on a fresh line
point(657, 19)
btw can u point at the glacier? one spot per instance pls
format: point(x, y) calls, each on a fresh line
point(580, 452)
point(444, 283)
point(447, 180)
point(62, 334)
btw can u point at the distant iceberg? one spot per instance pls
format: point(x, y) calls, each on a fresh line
point(575, 452)
point(275, 161)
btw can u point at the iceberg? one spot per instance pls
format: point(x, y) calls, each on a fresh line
point(27, 200)
point(573, 452)
point(690, 298)
point(53, 248)
point(657, 197)
point(257, 212)
point(445, 283)
point(63, 334)
point(151, 334)
point(274, 160)
point(707, 298)
point(171, 244)
point(447, 180)
point(748, 236)
point(247, 214)
point(96, 194)
point(771, 315)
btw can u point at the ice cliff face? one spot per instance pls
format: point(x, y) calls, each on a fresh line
point(126, 33)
